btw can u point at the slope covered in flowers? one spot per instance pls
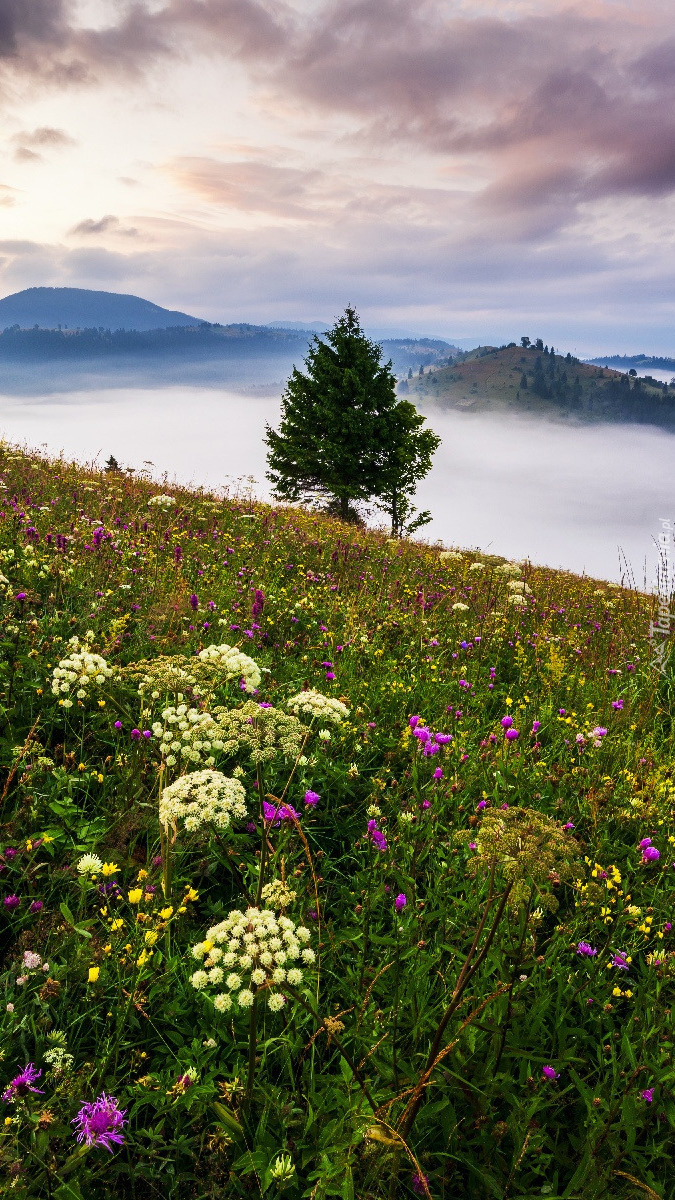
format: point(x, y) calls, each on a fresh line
point(330, 866)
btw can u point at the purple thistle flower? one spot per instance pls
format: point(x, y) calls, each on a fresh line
point(550, 1073)
point(278, 813)
point(617, 705)
point(118, 724)
point(11, 852)
point(194, 602)
point(312, 798)
point(619, 960)
point(419, 1183)
point(21, 1084)
point(443, 738)
point(400, 901)
point(330, 676)
point(506, 722)
point(438, 773)
point(585, 948)
point(11, 902)
point(429, 749)
point(377, 836)
point(599, 731)
point(21, 595)
point(535, 726)
point(647, 1094)
point(414, 721)
point(36, 906)
point(646, 841)
point(481, 805)
point(650, 854)
point(101, 1123)
point(135, 735)
point(422, 733)
point(258, 603)
point(511, 735)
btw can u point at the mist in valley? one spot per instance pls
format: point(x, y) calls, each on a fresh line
point(581, 497)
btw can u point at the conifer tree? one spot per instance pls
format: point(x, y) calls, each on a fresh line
point(343, 431)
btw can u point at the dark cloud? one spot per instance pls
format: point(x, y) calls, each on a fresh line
point(43, 22)
point(107, 224)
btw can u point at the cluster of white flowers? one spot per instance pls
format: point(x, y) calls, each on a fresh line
point(314, 704)
point(59, 1060)
point(509, 569)
point(449, 556)
point(162, 501)
point(260, 949)
point(79, 671)
point(518, 585)
point(233, 664)
point(277, 894)
point(517, 600)
point(187, 734)
point(202, 797)
point(477, 566)
point(460, 607)
point(89, 864)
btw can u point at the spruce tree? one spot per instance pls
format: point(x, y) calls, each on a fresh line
point(343, 428)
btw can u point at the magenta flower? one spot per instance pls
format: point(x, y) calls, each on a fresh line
point(422, 733)
point(511, 735)
point(21, 1084)
point(118, 724)
point(377, 837)
point(101, 1123)
point(619, 960)
point(585, 948)
point(646, 841)
point(11, 902)
point(647, 1094)
point(650, 854)
point(330, 675)
point(481, 805)
point(414, 721)
point(438, 773)
point(400, 901)
point(506, 722)
point(443, 738)
point(36, 906)
point(21, 595)
point(135, 735)
point(194, 602)
point(617, 705)
point(278, 813)
point(550, 1073)
point(312, 798)
point(420, 1184)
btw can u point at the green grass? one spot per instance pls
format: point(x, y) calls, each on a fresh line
point(410, 1056)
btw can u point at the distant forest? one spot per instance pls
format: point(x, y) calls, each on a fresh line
point(636, 362)
point(192, 343)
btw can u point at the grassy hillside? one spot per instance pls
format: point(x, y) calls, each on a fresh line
point(461, 830)
point(528, 380)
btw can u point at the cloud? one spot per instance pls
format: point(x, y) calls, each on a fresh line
point(108, 224)
point(44, 137)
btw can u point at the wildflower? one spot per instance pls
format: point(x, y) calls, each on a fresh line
point(36, 906)
point(536, 725)
point(650, 854)
point(89, 864)
point(585, 948)
point(282, 1170)
point(400, 901)
point(443, 739)
point(506, 722)
point(550, 1073)
point(194, 602)
point(94, 973)
point(647, 1094)
point(21, 1085)
point(109, 868)
point(101, 1123)
point(438, 773)
point(420, 1183)
point(414, 721)
point(31, 960)
point(11, 901)
point(135, 735)
point(278, 813)
point(621, 961)
point(617, 705)
point(202, 797)
point(135, 895)
point(377, 836)
point(314, 704)
point(311, 799)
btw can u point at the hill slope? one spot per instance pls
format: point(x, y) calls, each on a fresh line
point(468, 914)
point(536, 380)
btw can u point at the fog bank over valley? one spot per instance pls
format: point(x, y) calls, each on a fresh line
point(571, 496)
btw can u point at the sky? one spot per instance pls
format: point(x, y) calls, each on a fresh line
point(474, 169)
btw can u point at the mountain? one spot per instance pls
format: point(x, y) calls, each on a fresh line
point(83, 308)
point(534, 379)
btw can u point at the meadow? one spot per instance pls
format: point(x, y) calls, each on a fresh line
point(331, 866)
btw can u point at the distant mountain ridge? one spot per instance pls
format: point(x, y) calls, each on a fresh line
point(85, 308)
point(637, 362)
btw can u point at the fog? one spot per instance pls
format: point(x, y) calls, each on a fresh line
point(586, 498)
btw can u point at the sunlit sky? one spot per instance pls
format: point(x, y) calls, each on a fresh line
point(470, 170)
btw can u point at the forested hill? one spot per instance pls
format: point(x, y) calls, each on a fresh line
point(537, 379)
point(636, 362)
point(193, 343)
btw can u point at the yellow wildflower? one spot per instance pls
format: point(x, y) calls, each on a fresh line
point(94, 973)
point(109, 868)
point(167, 912)
point(151, 937)
point(135, 895)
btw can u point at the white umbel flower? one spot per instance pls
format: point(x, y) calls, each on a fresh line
point(200, 798)
point(314, 704)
